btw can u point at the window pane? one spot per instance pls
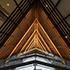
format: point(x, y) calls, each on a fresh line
point(54, 1)
point(28, 67)
point(18, 1)
point(42, 67)
point(8, 5)
point(64, 7)
point(37, 67)
point(68, 20)
point(29, 59)
point(2, 18)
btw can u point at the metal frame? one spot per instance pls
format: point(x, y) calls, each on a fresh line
point(18, 61)
point(67, 16)
point(57, 3)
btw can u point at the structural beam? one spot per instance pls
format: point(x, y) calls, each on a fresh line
point(22, 61)
point(57, 3)
point(67, 16)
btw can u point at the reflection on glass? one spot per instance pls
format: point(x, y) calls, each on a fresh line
point(54, 1)
point(8, 6)
point(28, 59)
point(2, 18)
point(41, 67)
point(38, 59)
point(32, 67)
point(18, 1)
point(64, 7)
point(35, 66)
point(28, 67)
point(68, 20)
point(43, 60)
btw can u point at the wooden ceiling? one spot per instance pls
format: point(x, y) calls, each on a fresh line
point(57, 45)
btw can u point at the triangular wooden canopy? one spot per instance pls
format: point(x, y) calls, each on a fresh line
point(35, 31)
point(36, 41)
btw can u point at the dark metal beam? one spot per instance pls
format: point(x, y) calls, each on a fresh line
point(57, 3)
point(4, 12)
point(18, 6)
point(67, 16)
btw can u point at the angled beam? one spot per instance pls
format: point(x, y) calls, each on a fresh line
point(27, 47)
point(15, 2)
point(37, 28)
point(27, 42)
point(19, 62)
point(18, 6)
point(33, 50)
point(42, 45)
point(67, 16)
point(4, 12)
point(57, 3)
point(45, 43)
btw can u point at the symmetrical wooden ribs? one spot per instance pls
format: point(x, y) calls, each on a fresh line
point(36, 40)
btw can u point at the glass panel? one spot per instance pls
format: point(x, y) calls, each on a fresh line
point(54, 1)
point(68, 20)
point(41, 59)
point(28, 67)
point(8, 6)
point(42, 67)
point(1, 22)
point(64, 7)
point(37, 67)
point(44, 60)
point(18, 1)
point(2, 18)
point(28, 59)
